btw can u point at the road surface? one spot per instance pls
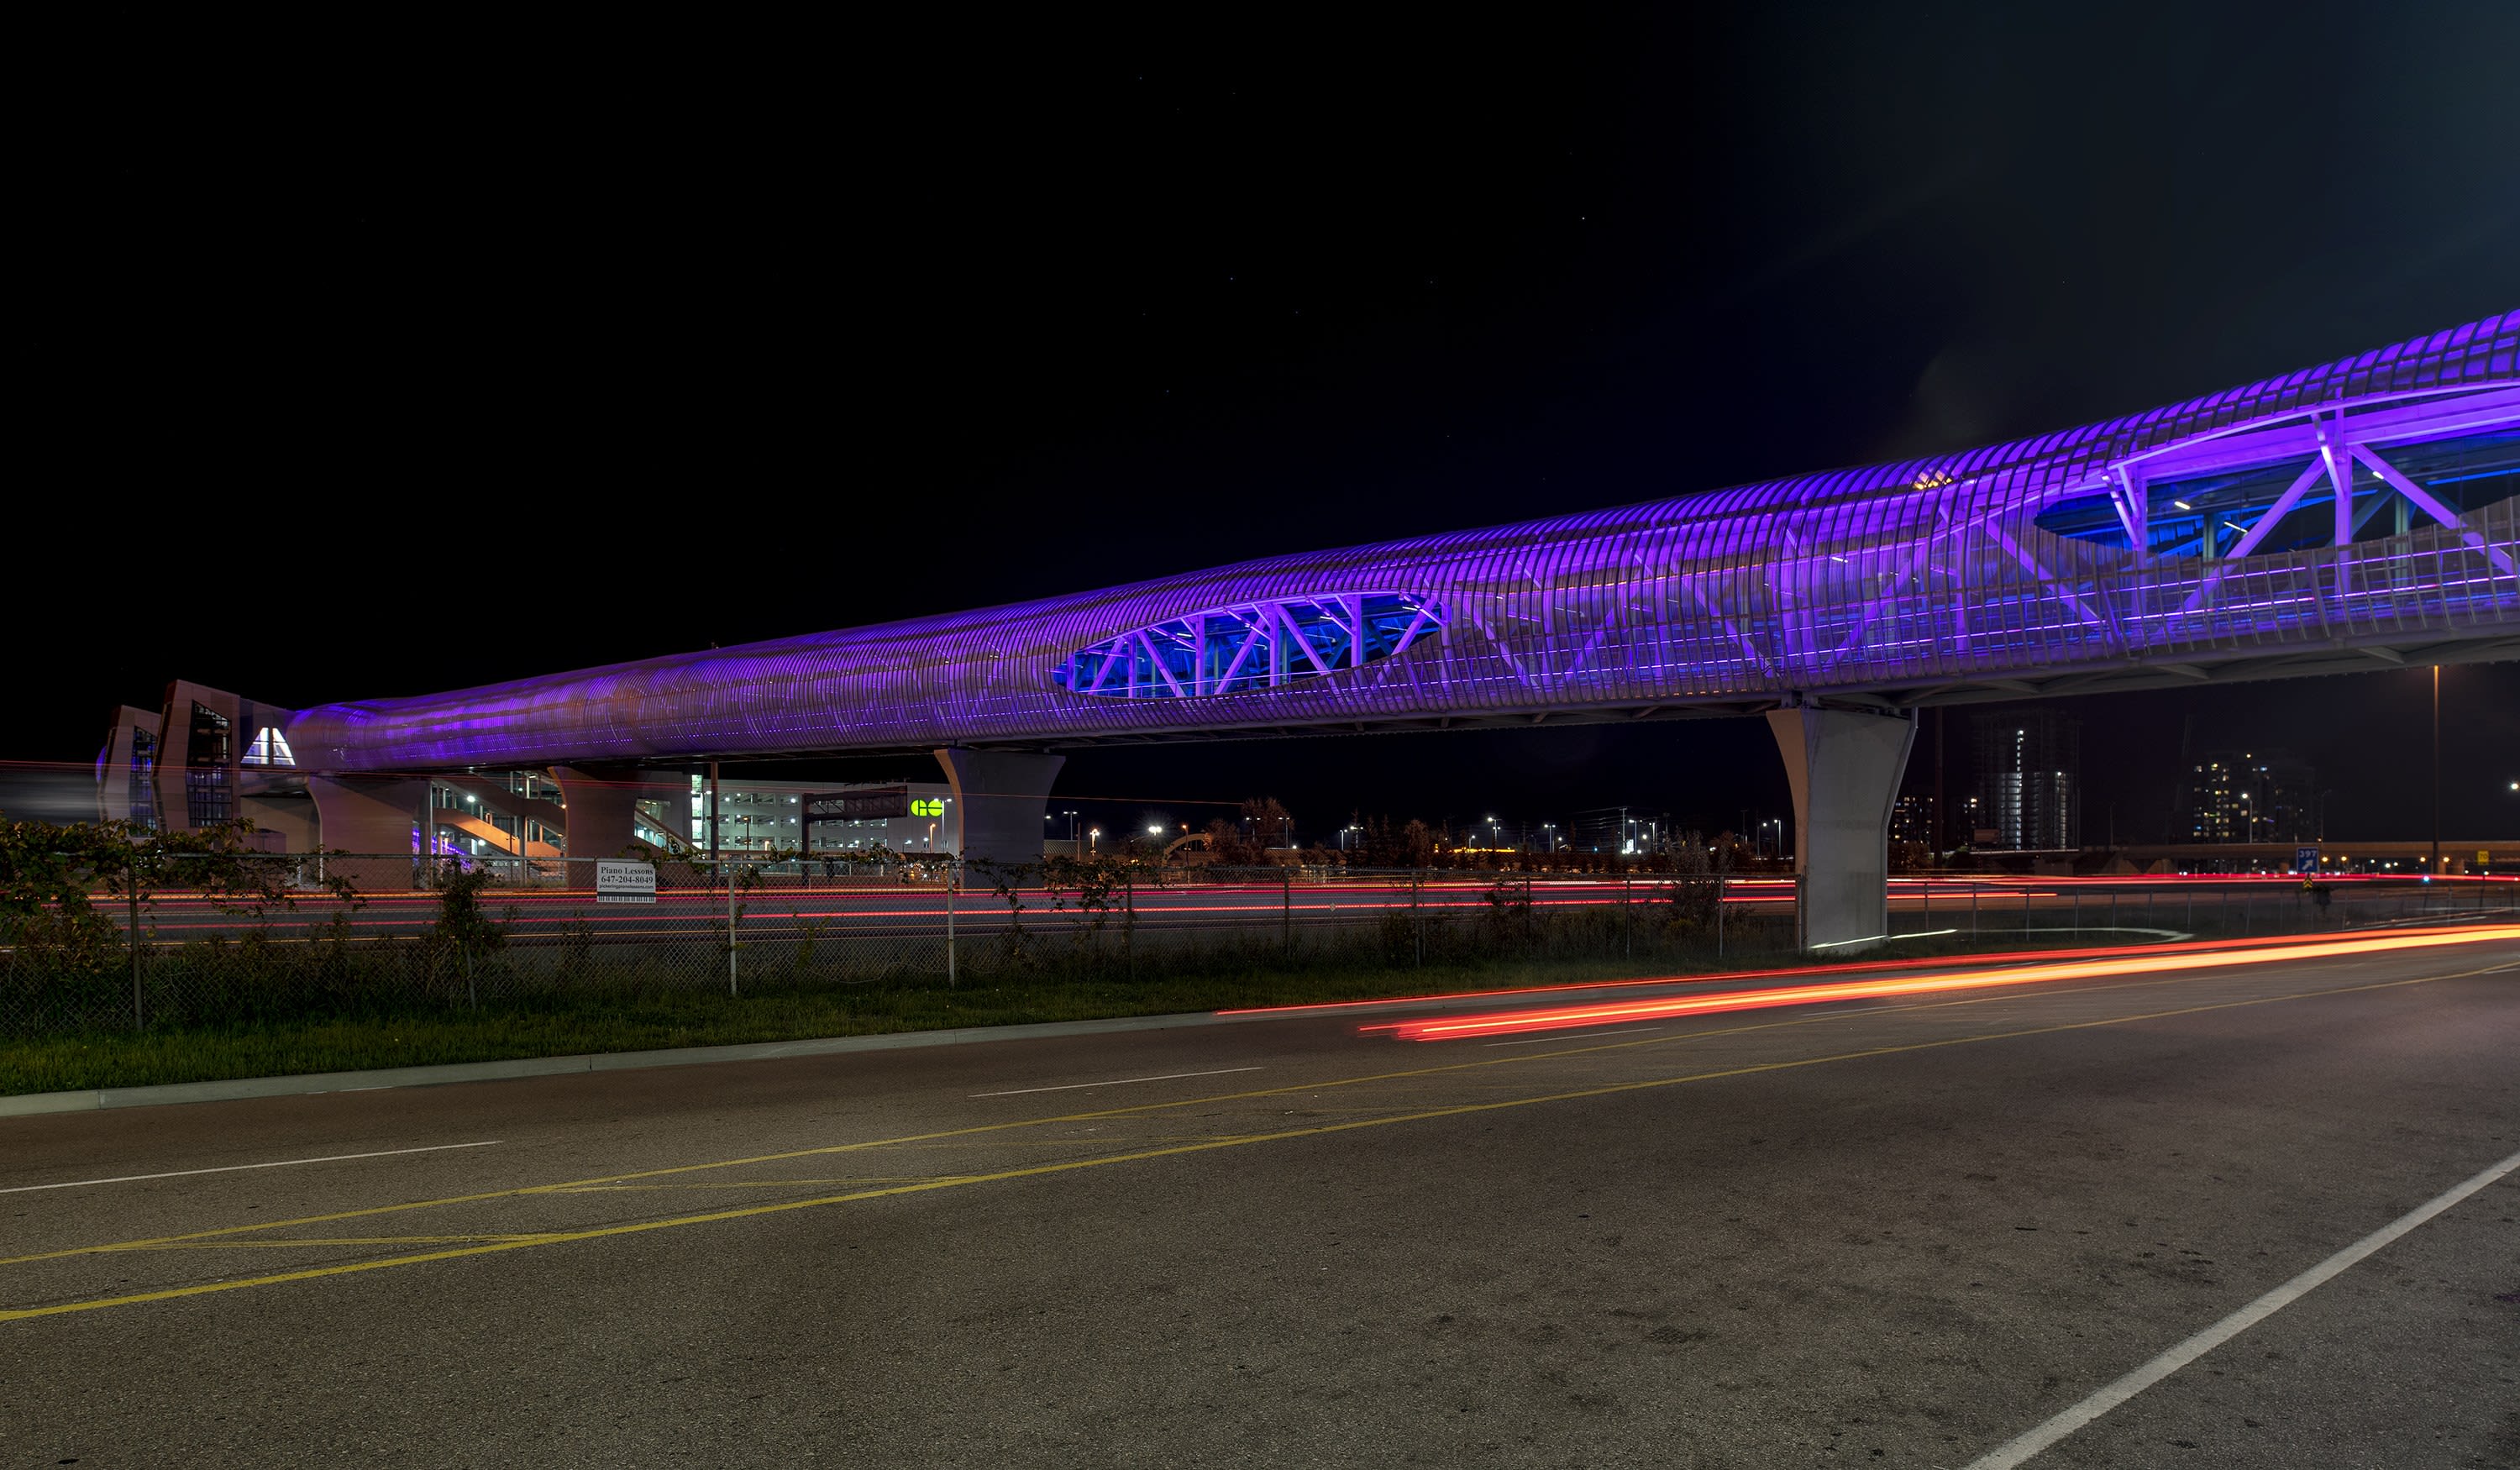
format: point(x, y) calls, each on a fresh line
point(1881, 1230)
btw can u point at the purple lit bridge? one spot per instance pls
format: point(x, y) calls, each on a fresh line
point(2344, 518)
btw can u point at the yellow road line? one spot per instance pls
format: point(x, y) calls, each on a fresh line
point(639, 1227)
point(242, 1245)
point(854, 1179)
point(938, 1140)
point(935, 1139)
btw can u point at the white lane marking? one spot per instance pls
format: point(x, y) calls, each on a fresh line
point(333, 1158)
point(2030, 1442)
point(1117, 1082)
point(1568, 1037)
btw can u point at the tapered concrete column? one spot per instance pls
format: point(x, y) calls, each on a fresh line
point(1000, 796)
point(1845, 767)
point(367, 814)
point(602, 807)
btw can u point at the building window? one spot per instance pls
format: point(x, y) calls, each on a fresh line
point(269, 748)
point(208, 795)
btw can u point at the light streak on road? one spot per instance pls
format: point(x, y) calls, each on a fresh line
point(1847, 967)
point(1568, 1017)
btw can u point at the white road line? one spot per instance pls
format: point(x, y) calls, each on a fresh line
point(1117, 1082)
point(1571, 1036)
point(333, 1158)
point(2023, 1447)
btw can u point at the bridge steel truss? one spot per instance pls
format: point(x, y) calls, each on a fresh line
point(2339, 517)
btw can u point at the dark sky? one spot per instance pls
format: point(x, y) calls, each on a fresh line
point(384, 363)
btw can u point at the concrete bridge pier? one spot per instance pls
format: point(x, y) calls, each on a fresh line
point(602, 811)
point(1845, 767)
point(367, 814)
point(1000, 796)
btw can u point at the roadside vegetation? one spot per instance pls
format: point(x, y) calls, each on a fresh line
point(355, 1036)
point(90, 997)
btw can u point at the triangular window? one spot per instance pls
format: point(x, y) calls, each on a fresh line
point(269, 748)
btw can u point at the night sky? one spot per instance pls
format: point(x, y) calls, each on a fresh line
point(389, 364)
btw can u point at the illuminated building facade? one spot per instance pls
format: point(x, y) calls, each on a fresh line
point(1912, 820)
point(2250, 796)
point(2029, 769)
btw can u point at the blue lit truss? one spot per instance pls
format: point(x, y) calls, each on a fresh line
point(1255, 646)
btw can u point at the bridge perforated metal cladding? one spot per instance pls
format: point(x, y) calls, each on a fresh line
point(2337, 519)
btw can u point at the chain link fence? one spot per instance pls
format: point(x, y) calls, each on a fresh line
point(334, 935)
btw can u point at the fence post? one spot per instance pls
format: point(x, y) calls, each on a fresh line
point(1129, 923)
point(132, 894)
point(1972, 903)
point(728, 874)
point(953, 872)
point(1287, 907)
point(1719, 917)
point(1417, 918)
point(1627, 913)
point(2075, 903)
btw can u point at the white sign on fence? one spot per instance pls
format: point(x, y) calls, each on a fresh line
point(625, 882)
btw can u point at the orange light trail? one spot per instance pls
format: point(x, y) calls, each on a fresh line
point(1866, 966)
point(1513, 1022)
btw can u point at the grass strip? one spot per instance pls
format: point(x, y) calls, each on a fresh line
point(564, 1025)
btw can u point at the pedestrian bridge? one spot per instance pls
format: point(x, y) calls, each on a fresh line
point(2344, 516)
point(2347, 516)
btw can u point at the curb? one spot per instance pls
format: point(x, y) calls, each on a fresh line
point(88, 1100)
point(32, 1104)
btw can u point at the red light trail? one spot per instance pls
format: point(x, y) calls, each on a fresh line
point(1870, 966)
point(2136, 962)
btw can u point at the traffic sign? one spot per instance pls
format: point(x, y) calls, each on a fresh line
point(2305, 859)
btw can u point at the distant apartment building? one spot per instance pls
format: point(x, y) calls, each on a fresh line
point(2249, 796)
point(2029, 768)
point(1616, 829)
point(1911, 819)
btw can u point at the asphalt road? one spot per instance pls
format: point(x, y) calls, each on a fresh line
point(1896, 1231)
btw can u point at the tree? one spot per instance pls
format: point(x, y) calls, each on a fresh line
point(1269, 824)
point(51, 877)
point(1224, 839)
point(1417, 843)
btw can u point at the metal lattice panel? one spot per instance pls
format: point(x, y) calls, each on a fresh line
point(1896, 582)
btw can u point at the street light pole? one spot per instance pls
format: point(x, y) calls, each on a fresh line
point(2435, 870)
